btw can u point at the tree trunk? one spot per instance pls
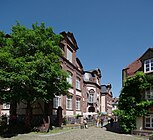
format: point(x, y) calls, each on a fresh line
point(28, 116)
point(13, 115)
point(48, 111)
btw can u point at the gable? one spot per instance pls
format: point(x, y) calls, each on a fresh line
point(147, 55)
point(69, 37)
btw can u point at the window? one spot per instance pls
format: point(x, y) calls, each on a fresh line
point(69, 102)
point(6, 106)
point(149, 93)
point(91, 98)
point(77, 103)
point(69, 78)
point(148, 65)
point(149, 121)
point(69, 55)
point(78, 83)
point(56, 102)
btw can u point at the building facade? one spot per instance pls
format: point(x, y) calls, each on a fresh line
point(91, 94)
point(72, 103)
point(144, 64)
point(106, 99)
point(85, 94)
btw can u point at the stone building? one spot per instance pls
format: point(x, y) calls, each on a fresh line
point(71, 104)
point(91, 96)
point(106, 99)
point(85, 95)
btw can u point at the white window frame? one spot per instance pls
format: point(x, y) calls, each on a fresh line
point(91, 97)
point(56, 102)
point(149, 124)
point(6, 106)
point(78, 83)
point(148, 65)
point(149, 93)
point(70, 78)
point(69, 55)
point(69, 102)
point(78, 103)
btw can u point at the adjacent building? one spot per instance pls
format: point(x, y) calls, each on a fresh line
point(106, 99)
point(72, 103)
point(145, 64)
point(92, 90)
point(115, 101)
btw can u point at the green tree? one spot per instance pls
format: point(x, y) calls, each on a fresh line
point(131, 100)
point(30, 66)
point(116, 112)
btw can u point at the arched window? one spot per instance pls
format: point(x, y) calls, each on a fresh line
point(91, 109)
point(91, 96)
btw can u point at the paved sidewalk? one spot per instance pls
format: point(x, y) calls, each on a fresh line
point(92, 133)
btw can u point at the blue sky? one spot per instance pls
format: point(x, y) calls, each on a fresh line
point(110, 33)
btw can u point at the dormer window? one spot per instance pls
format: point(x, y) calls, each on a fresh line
point(69, 55)
point(148, 65)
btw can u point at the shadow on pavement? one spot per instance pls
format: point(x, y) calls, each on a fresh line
point(115, 127)
point(10, 131)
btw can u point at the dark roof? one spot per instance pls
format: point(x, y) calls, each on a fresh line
point(104, 89)
point(133, 67)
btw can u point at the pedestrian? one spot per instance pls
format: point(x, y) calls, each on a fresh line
point(111, 121)
point(98, 121)
point(102, 121)
point(85, 123)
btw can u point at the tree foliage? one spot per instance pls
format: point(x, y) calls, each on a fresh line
point(131, 101)
point(30, 67)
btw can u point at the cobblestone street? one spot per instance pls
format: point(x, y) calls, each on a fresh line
point(92, 133)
